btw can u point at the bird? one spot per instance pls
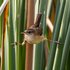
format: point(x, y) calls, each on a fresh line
point(34, 34)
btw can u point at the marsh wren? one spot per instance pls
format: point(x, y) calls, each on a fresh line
point(34, 35)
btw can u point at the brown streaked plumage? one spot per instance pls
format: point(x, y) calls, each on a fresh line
point(34, 32)
point(36, 26)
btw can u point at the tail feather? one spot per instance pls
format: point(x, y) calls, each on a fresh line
point(38, 19)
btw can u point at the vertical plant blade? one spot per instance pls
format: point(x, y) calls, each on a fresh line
point(11, 36)
point(20, 50)
point(0, 26)
point(4, 33)
point(55, 37)
point(65, 50)
point(63, 33)
point(49, 6)
point(0, 34)
point(40, 48)
point(17, 35)
point(29, 47)
point(68, 62)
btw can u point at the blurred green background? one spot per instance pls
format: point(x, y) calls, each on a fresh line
point(21, 14)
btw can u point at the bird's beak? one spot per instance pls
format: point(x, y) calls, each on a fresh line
point(22, 32)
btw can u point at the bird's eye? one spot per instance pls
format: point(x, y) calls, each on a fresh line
point(29, 32)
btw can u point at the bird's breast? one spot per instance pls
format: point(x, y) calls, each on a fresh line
point(32, 39)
